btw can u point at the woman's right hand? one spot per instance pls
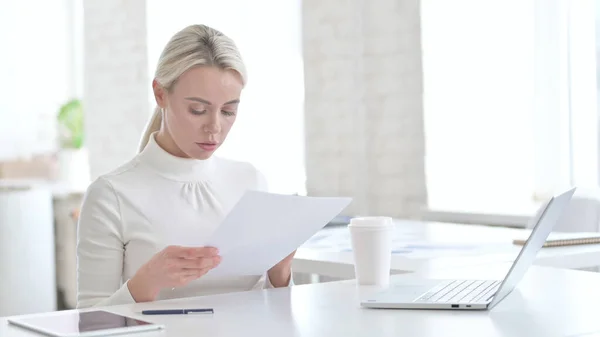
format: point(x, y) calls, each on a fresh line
point(174, 266)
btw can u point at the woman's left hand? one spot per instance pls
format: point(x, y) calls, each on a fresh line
point(281, 273)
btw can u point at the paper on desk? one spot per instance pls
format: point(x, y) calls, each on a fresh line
point(263, 228)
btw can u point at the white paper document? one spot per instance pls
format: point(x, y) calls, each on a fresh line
point(263, 228)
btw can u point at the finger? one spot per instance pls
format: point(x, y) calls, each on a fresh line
point(184, 279)
point(190, 252)
point(199, 263)
point(289, 257)
point(196, 252)
point(189, 275)
point(172, 251)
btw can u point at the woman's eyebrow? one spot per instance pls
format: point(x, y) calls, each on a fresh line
point(201, 100)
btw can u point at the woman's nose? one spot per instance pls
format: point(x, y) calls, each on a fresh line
point(213, 128)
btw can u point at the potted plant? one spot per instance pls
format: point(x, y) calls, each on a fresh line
point(73, 161)
point(70, 123)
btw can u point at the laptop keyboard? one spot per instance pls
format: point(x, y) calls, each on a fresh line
point(460, 291)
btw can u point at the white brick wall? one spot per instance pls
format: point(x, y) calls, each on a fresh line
point(363, 100)
point(116, 80)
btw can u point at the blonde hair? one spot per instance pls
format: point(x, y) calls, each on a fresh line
point(195, 45)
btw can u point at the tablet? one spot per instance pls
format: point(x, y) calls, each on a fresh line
point(83, 324)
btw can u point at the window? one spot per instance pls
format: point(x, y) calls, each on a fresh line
point(582, 45)
point(506, 84)
point(269, 129)
point(35, 68)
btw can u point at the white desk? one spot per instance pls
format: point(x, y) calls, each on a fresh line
point(439, 245)
point(549, 302)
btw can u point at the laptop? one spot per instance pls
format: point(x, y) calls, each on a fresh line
point(466, 294)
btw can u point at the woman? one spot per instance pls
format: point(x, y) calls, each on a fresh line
point(140, 225)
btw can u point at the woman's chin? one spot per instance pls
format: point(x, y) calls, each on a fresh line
point(201, 154)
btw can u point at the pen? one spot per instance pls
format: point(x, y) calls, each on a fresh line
point(177, 312)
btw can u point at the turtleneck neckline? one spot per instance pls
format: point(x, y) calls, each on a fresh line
point(173, 167)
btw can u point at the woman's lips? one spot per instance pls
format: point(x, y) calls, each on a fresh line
point(207, 146)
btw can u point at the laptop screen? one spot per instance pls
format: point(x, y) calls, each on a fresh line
point(545, 220)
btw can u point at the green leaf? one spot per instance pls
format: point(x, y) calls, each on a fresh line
point(71, 124)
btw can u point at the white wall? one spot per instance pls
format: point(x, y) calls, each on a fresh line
point(363, 111)
point(115, 81)
point(34, 64)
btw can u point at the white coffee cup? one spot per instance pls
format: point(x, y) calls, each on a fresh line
point(371, 239)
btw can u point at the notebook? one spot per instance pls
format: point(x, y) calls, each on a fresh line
point(566, 239)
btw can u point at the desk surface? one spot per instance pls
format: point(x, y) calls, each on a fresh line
point(548, 302)
point(430, 245)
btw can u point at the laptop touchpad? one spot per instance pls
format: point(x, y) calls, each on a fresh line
point(406, 291)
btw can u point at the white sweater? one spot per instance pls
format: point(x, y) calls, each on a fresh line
point(153, 201)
